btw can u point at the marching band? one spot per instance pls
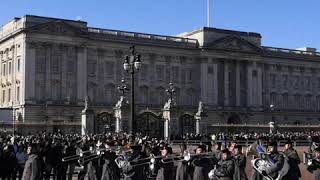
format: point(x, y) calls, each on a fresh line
point(109, 158)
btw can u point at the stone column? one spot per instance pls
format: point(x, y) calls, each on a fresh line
point(238, 87)
point(215, 82)
point(204, 80)
point(30, 70)
point(170, 120)
point(81, 74)
point(259, 81)
point(226, 83)
point(249, 84)
point(121, 112)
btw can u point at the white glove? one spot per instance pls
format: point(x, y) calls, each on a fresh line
point(211, 174)
point(186, 156)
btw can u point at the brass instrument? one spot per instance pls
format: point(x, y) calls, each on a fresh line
point(261, 164)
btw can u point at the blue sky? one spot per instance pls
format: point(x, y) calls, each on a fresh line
point(282, 23)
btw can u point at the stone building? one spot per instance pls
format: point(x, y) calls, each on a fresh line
point(49, 66)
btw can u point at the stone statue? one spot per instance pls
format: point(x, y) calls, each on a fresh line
point(167, 105)
point(200, 109)
point(120, 102)
point(86, 102)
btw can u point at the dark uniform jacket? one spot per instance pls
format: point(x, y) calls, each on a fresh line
point(202, 167)
point(225, 170)
point(294, 161)
point(136, 172)
point(110, 170)
point(165, 172)
point(240, 166)
point(314, 168)
point(32, 169)
point(277, 161)
point(184, 171)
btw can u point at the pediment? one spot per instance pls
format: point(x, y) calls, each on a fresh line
point(58, 27)
point(234, 43)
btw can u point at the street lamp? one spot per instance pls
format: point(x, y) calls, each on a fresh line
point(132, 63)
point(171, 91)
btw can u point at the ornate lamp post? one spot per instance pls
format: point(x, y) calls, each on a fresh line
point(272, 123)
point(132, 63)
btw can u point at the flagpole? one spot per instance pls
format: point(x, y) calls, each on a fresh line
point(209, 13)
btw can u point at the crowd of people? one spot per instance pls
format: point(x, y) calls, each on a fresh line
point(58, 155)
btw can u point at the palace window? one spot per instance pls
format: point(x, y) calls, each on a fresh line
point(9, 67)
point(189, 75)
point(273, 80)
point(70, 66)
point(92, 68)
point(18, 93)
point(18, 65)
point(175, 72)
point(285, 81)
point(109, 69)
point(4, 69)
point(9, 95)
point(210, 70)
point(3, 96)
point(183, 76)
point(168, 75)
point(144, 72)
point(308, 83)
point(160, 72)
point(55, 64)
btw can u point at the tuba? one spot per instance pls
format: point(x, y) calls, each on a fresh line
point(261, 164)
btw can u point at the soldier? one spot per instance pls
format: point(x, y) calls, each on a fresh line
point(225, 169)
point(276, 159)
point(166, 165)
point(217, 151)
point(202, 165)
point(294, 161)
point(314, 167)
point(240, 161)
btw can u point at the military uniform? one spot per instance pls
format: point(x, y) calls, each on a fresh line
point(277, 161)
point(240, 161)
point(294, 161)
point(225, 170)
point(202, 167)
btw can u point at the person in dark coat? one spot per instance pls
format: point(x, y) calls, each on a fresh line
point(225, 169)
point(110, 170)
point(276, 159)
point(165, 165)
point(10, 162)
point(136, 172)
point(294, 172)
point(217, 151)
point(240, 161)
point(202, 165)
point(314, 167)
point(32, 169)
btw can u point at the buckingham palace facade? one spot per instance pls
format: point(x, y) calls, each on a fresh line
point(49, 66)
